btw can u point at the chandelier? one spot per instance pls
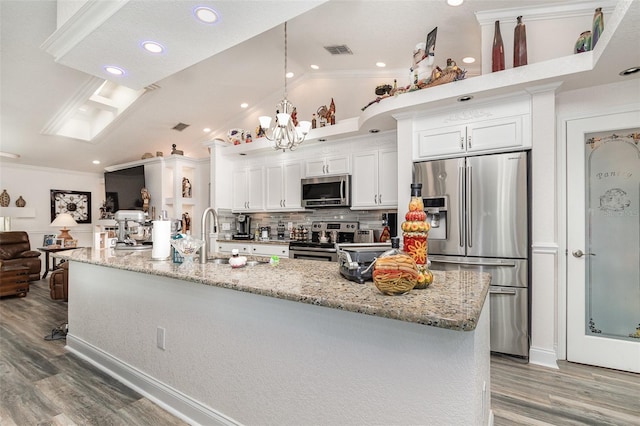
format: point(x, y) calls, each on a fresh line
point(282, 131)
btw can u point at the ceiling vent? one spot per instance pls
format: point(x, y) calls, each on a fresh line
point(180, 126)
point(341, 49)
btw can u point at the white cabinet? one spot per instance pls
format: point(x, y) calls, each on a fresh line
point(489, 128)
point(329, 165)
point(281, 250)
point(283, 186)
point(246, 248)
point(226, 247)
point(248, 189)
point(375, 179)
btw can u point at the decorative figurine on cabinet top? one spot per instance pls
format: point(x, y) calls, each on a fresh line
point(176, 151)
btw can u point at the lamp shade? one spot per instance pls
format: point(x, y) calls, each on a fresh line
point(65, 220)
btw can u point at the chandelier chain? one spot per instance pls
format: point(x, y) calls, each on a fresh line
point(285, 59)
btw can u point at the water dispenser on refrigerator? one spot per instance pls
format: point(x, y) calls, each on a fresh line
point(437, 210)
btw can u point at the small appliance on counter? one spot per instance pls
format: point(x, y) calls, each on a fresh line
point(364, 236)
point(265, 233)
point(355, 260)
point(243, 228)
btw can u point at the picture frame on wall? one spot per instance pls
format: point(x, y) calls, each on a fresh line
point(76, 203)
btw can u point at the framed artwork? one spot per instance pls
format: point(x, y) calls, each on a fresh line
point(49, 240)
point(76, 203)
point(431, 42)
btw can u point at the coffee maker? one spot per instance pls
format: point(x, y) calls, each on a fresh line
point(243, 228)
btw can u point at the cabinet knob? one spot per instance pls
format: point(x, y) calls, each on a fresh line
point(469, 142)
point(461, 142)
point(284, 203)
point(380, 198)
point(375, 199)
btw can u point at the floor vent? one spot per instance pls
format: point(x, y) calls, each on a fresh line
point(341, 49)
point(180, 126)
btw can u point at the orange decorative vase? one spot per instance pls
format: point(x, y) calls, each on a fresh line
point(415, 231)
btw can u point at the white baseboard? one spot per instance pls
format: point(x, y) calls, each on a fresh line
point(543, 357)
point(170, 399)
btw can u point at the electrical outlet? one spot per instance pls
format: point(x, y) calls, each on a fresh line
point(226, 226)
point(160, 338)
point(289, 225)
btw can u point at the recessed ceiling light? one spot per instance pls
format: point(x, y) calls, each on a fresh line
point(206, 130)
point(289, 74)
point(96, 161)
point(206, 14)
point(468, 60)
point(9, 154)
point(114, 70)
point(455, 2)
point(152, 47)
point(465, 98)
point(630, 71)
point(244, 105)
point(380, 64)
point(314, 67)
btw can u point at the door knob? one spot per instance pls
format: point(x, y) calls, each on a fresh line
point(580, 253)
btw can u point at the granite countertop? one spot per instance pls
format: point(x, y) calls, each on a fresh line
point(453, 301)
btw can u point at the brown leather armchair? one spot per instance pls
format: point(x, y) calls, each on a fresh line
point(15, 250)
point(59, 282)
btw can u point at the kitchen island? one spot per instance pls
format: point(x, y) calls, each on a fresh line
point(289, 344)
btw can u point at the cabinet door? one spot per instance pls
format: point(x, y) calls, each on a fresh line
point(274, 187)
point(226, 247)
point(337, 165)
point(292, 193)
point(239, 195)
point(440, 142)
point(364, 190)
point(255, 188)
point(281, 250)
point(315, 167)
point(388, 178)
point(495, 134)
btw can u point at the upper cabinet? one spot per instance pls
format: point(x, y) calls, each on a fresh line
point(491, 127)
point(375, 179)
point(247, 189)
point(328, 165)
point(283, 186)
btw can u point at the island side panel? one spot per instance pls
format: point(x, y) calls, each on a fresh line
point(257, 359)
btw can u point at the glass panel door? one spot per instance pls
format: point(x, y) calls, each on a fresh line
point(612, 262)
point(603, 240)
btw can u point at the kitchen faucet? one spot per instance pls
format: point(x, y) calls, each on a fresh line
point(204, 234)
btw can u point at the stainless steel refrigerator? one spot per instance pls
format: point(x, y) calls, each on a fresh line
point(479, 212)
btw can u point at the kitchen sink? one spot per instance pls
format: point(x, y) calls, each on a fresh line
point(219, 261)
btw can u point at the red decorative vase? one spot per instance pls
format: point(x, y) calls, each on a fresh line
point(497, 54)
point(519, 44)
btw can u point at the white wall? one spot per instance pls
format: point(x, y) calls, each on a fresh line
point(34, 185)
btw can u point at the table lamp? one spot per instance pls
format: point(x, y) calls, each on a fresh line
point(65, 220)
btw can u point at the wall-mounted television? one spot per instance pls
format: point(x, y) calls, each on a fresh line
point(122, 188)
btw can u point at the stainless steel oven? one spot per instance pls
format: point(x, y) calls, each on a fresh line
point(324, 237)
point(313, 253)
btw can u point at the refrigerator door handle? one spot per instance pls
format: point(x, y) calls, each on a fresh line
point(458, 262)
point(511, 292)
point(469, 207)
point(460, 203)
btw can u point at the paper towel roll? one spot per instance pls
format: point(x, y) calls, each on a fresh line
point(161, 236)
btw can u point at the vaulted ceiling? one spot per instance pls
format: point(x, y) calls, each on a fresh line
point(207, 71)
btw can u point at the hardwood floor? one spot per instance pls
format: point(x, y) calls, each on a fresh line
point(42, 384)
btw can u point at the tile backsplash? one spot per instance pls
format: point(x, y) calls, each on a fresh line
point(368, 219)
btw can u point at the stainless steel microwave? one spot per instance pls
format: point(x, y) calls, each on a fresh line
point(327, 191)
